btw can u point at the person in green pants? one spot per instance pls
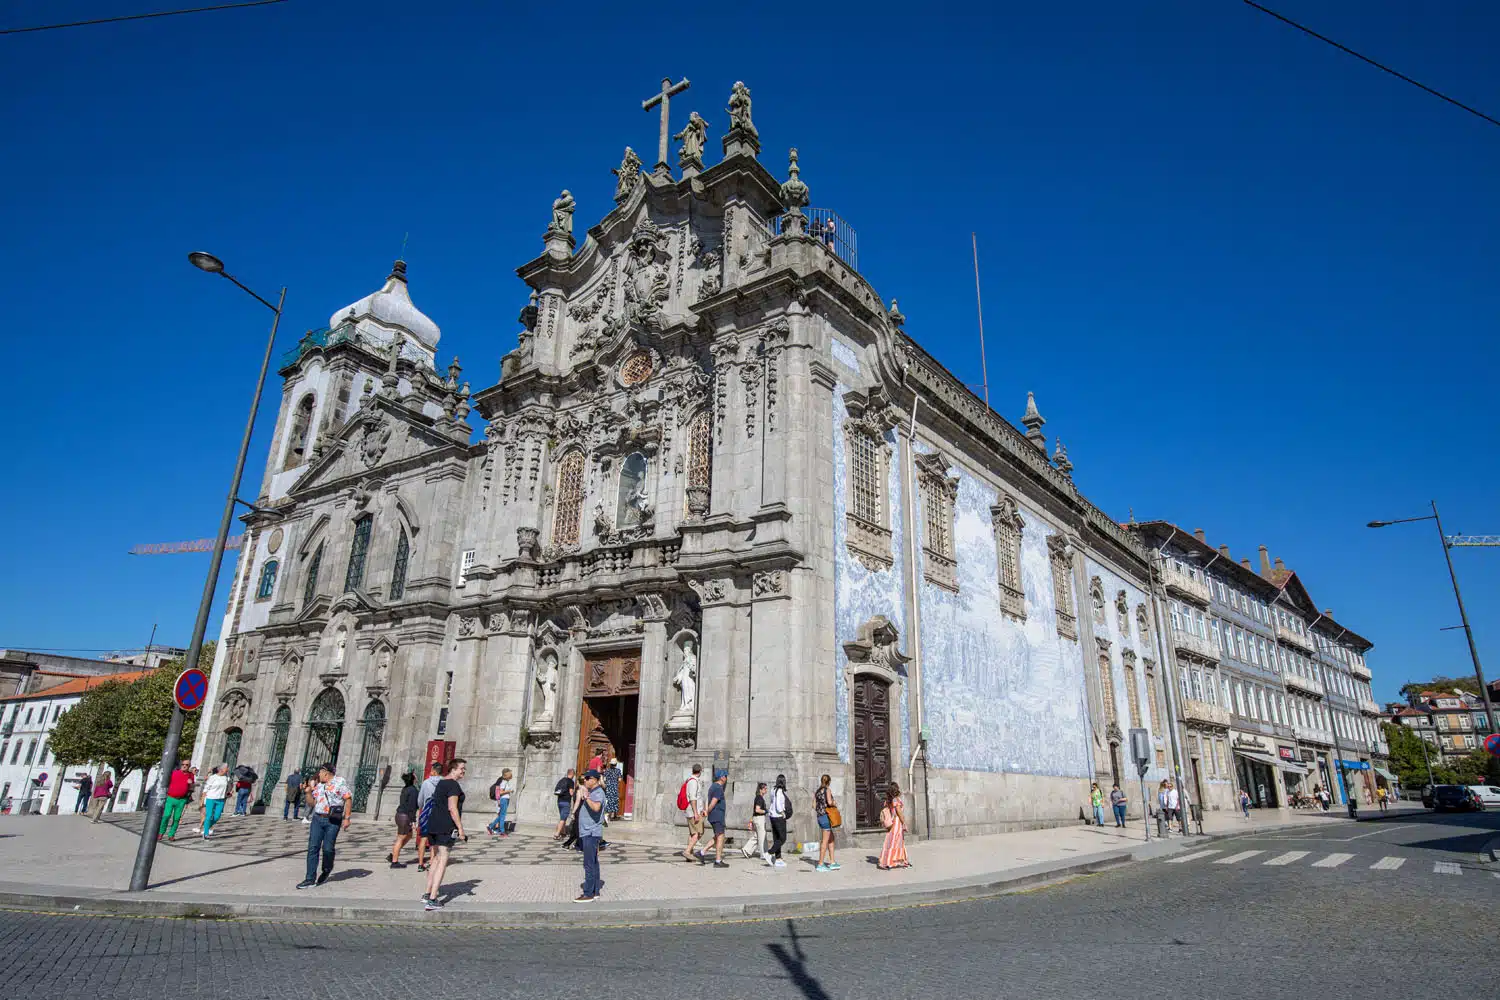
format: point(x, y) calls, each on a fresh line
point(179, 789)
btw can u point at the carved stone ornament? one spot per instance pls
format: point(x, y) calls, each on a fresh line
point(234, 708)
point(1006, 511)
point(874, 643)
point(769, 583)
point(287, 676)
point(697, 502)
point(653, 607)
point(499, 622)
point(1061, 548)
point(562, 215)
point(375, 437)
point(1114, 734)
point(629, 174)
point(542, 739)
point(646, 276)
point(468, 626)
point(528, 543)
point(1122, 605)
point(709, 591)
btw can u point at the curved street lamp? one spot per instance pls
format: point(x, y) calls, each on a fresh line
point(140, 875)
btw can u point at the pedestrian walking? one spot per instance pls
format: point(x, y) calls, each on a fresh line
point(893, 818)
point(1096, 801)
point(1118, 803)
point(1384, 797)
point(406, 815)
point(613, 774)
point(306, 797)
point(242, 785)
point(589, 812)
point(445, 827)
point(330, 811)
point(293, 803)
point(215, 791)
point(85, 788)
point(103, 788)
point(1245, 803)
point(690, 799)
point(500, 791)
point(778, 811)
point(564, 790)
point(717, 807)
point(757, 826)
point(424, 796)
point(179, 787)
point(829, 820)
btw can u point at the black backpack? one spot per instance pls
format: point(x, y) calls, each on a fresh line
point(495, 790)
point(786, 799)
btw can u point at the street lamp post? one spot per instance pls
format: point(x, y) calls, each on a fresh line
point(1484, 692)
point(140, 875)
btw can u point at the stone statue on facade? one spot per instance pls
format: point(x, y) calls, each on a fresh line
point(739, 109)
point(286, 678)
point(546, 679)
point(382, 669)
point(340, 647)
point(686, 681)
point(693, 135)
point(629, 174)
point(562, 215)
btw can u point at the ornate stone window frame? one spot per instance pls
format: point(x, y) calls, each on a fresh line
point(700, 457)
point(1132, 688)
point(1007, 523)
point(1060, 552)
point(1096, 599)
point(868, 519)
point(938, 492)
point(567, 510)
point(1107, 685)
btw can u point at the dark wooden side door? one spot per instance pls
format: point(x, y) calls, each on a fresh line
point(872, 748)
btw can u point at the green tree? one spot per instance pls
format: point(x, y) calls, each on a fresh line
point(89, 731)
point(1410, 755)
point(146, 715)
point(1440, 683)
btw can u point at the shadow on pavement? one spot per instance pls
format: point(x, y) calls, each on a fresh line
point(226, 868)
point(795, 964)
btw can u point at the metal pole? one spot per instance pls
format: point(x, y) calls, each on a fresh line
point(1484, 692)
point(1145, 808)
point(983, 368)
point(145, 853)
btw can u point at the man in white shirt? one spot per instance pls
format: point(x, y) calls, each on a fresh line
point(423, 797)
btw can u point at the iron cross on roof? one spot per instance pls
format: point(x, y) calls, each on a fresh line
point(668, 91)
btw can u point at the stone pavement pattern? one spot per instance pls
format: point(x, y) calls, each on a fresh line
point(1192, 930)
point(264, 856)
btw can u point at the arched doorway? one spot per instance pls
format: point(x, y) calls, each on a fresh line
point(325, 730)
point(281, 728)
point(373, 730)
point(232, 738)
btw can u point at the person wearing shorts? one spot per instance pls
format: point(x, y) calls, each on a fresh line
point(694, 813)
point(445, 827)
point(406, 816)
point(715, 812)
point(423, 794)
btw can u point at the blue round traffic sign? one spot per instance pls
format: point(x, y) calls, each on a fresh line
point(1492, 744)
point(191, 690)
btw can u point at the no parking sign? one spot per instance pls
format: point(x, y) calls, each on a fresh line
point(191, 689)
point(1492, 744)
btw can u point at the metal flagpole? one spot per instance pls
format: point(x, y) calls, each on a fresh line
point(984, 370)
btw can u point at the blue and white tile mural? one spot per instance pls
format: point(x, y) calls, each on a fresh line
point(860, 593)
point(1122, 635)
point(1000, 695)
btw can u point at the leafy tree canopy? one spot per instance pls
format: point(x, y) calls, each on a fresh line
point(1440, 683)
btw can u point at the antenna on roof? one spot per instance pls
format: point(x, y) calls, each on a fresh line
point(402, 255)
point(983, 368)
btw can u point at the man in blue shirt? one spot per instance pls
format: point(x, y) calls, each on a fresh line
point(715, 813)
point(590, 810)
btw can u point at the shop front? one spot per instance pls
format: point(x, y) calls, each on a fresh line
point(1256, 765)
point(1293, 774)
point(1357, 774)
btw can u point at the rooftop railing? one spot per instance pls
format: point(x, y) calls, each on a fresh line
point(828, 228)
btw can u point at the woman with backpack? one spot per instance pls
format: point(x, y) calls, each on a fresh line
point(500, 791)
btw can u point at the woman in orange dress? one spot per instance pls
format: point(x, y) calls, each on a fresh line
point(893, 818)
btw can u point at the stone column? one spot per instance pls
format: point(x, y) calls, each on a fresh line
point(651, 782)
point(722, 662)
point(463, 699)
point(777, 711)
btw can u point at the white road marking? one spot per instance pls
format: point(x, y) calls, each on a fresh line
point(1332, 861)
point(1446, 868)
point(1383, 829)
point(1190, 857)
point(1235, 859)
point(1288, 857)
point(1388, 864)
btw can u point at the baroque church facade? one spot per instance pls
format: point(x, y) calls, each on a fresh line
point(724, 510)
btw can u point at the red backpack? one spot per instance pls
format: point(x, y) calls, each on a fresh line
point(682, 799)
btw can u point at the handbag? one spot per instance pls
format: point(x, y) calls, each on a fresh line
point(835, 818)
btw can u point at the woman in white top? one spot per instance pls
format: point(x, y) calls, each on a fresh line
point(503, 789)
point(215, 791)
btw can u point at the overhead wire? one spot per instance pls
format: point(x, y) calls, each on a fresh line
point(138, 17)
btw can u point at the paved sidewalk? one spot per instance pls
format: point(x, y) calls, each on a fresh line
point(252, 864)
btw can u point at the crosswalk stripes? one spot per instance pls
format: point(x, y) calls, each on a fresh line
point(1288, 857)
point(1332, 861)
point(1191, 857)
point(1235, 859)
point(1388, 864)
point(1446, 868)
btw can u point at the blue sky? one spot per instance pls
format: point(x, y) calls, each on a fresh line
point(1250, 279)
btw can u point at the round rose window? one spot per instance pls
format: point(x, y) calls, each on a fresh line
point(636, 369)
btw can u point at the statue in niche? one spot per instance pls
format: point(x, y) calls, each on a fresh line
point(562, 215)
point(340, 647)
point(693, 136)
point(383, 669)
point(546, 679)
point(739, 109)
point(686, 681)
point(286, 679)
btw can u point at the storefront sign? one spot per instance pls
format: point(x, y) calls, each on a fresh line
point(1308, 756)
point(1287, 753)
point(1355, 765)
point(1245, 742)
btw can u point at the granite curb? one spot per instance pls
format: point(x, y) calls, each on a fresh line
point(566, 914)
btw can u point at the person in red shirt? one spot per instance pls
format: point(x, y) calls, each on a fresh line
point(179, 787)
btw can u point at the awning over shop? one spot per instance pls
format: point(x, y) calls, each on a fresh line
point(1388, 776)
point(1291, 767)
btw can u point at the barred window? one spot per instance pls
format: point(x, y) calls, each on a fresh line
point(267, 579)
point(864, 463)
point(310, 584)
point(398, 571)
point(700, 454)
point(939, 537)
point(1107, 688)
point(354, 576)
point(1060, 553)
point(569, 499)
point(1132, 695)
point(1005, 518)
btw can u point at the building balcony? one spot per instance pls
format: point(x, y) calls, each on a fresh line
point(1184, 586)
point(1202, 713)
point(1195, 645)
point(1296, 682)
point(1367, 707)
point(1306, 734)
point(1361, 671)
point(8, 728)
point(1301, 640)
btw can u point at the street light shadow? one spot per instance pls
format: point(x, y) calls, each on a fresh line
point(794, 961)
